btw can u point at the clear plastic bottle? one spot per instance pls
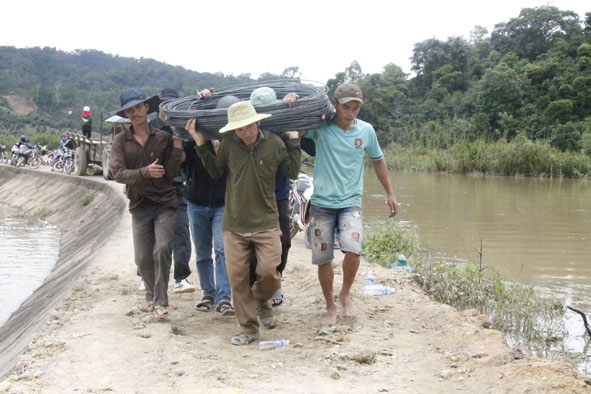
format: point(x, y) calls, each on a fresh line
point(270, 345)
point(369, 279)
point(378, 290)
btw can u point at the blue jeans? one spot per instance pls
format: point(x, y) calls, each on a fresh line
point(206, 229)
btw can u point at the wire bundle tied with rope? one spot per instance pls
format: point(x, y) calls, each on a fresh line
point(313, 109)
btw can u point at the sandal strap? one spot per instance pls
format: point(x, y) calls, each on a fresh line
point(224, 307)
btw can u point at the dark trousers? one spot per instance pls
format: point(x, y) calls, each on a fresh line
point(181, 245)
point(153, 232)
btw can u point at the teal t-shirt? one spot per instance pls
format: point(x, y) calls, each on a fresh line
point(338, 167)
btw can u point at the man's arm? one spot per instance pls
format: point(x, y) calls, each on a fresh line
point(213, 164)
point(381, 169)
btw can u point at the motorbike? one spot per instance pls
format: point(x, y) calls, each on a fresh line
point(3, 154)
point(63, 160)
point(14, 154)
point(35, 156)
point(46, 156)
point(299, 203)
point(25, 152)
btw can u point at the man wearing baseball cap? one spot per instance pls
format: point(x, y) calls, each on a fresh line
point(338, 187)
point(250, 157)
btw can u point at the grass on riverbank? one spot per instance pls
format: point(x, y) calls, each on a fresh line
point(527, 319)
point(520, 157)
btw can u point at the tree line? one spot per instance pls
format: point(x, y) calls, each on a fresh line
point(530, 77)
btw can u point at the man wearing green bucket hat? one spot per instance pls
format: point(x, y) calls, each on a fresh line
point(250, 157)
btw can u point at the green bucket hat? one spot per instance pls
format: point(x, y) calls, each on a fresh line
point(263, 95)
point(242, 114)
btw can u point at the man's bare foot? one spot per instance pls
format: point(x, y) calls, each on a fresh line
point(348, 308)
point(330, 319)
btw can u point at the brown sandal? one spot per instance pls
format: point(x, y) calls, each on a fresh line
point(225, 309)
point(206, 304)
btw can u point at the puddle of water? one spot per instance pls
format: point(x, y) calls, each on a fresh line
point(29, 250)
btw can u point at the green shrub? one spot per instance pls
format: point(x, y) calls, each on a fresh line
point(515, 309)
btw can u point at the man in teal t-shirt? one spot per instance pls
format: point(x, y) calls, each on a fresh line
point(338, 187)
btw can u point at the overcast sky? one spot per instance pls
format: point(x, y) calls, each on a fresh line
point(322, 37)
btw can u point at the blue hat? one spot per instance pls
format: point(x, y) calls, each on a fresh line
point(134, 96)
point(226, 101)
point(168, 94)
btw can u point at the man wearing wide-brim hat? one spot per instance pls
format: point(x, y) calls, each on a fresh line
point(250, 157)
point(146, 160)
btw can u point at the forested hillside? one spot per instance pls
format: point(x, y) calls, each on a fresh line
point(59, 84)
point(530, 78)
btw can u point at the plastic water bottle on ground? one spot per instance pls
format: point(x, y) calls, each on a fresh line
point(378, 290)
point(270, 345)
point(369, 279)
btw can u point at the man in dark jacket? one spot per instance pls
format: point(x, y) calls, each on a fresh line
point(205, 199)
point(181, 245)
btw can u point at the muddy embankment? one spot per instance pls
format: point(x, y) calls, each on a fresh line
point(84, 230)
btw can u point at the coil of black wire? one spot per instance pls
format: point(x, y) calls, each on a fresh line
point(313, 109)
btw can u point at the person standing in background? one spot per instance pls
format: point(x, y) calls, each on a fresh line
point(86, 122)
point(206, 198)
point(266, 95)
point(181, 245)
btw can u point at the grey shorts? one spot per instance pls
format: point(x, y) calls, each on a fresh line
point(320, 234)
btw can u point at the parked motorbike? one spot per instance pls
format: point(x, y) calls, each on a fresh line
point(299, 203)
point(14, 154)
point(63, 160)
point(25, 152)
point(3, 154)
point(46, 157)
point(35, 156)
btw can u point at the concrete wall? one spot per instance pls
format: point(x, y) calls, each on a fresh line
point(84, 230)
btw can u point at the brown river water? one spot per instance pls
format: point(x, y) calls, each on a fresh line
point(535, 231)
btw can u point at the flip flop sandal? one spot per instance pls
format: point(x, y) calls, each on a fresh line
point(244, 339)
point(206, 304)
point(225, 309)
point(161, 312)
point(147, 306)
point(277, 302)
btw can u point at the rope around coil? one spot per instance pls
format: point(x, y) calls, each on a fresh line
point(312, 110)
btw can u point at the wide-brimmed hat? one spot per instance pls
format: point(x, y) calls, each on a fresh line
point(242, 114)
point(135, 96)
point(348, 92)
